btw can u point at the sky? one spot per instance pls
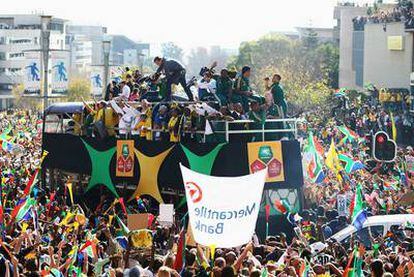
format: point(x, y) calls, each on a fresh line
point(188, 23)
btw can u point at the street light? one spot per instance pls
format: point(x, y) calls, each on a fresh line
point(106, 45)
point(45, 35)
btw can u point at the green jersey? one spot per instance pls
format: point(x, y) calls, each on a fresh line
point(242, 84)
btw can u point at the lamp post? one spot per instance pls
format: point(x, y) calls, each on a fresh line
point(106, 45)
point(45, 35)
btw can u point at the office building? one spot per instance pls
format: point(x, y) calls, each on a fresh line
point(20, 33)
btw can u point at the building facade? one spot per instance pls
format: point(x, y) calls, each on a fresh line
point(388, 55)
point(86, 47)
point(371, 51)
point(20, 33)
point(344, 16)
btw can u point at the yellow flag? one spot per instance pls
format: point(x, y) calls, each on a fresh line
point(24, 227)
point(212, 251)
point(68, 217)
point(110, 220)
point(394, 129)
point(69, 185)
point(332, 160)
point(44, 154)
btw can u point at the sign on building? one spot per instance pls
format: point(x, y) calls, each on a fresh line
point(395, 43)
point(97, 79)
point(32, 71)
point(59, 68)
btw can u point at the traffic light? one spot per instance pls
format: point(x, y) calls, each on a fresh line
point(384, 149)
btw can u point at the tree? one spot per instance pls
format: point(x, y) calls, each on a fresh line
point(308, 73)
point(22, 101)
point(79, 89)
point(310, 39)
point(172, 51)
point(328, 57)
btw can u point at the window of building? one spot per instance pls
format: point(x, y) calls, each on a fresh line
point(3, 40)
point(16, 55)
point(20, 41)
point(14, 69)
point(6, 87)
point(2, 70)
point(2, 56)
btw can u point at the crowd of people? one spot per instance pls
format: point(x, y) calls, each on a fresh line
point(47, 233)
point(402, 12)
point(51, 231)
point(145, 106)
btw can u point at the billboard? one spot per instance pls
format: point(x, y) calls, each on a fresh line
point(97, 76)
point(59, 77)
point(32, 71)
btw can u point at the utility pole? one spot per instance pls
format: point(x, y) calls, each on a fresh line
point(106, 45)
point(45, 34)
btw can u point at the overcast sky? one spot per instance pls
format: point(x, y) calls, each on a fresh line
point(188, 23)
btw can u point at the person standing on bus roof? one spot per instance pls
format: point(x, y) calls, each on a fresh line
point(175, 74)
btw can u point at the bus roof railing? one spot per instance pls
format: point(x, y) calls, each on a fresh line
point(287, 127)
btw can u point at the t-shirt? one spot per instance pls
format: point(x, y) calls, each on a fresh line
point(278, 94)
point(242, 84)
point(224, 86)
point(126, 120)
point(126, 92)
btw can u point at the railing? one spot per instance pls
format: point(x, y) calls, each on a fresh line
point(245, 130)
point(287, 129)
point(288, 126)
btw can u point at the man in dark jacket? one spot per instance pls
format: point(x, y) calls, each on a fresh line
point(174, 73)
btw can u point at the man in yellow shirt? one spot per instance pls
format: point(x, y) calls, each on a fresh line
point(109, 118)
point(173, 124)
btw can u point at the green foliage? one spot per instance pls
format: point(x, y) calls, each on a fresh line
point(79, 89)
point(22, 101)
point(310, 40)
point(308, 73)
point(172, 51)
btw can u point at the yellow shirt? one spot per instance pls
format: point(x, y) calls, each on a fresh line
point(140, 127)
point(148, 124)
point(77, 128)
point(111, 119)
point(171, 124)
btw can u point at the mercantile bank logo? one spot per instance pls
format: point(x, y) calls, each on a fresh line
point(195, 191)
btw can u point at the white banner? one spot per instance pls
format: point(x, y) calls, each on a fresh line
point(341, 204)
point(97, 76)
point(59, 67)
point(223, 210)
point(32, 73)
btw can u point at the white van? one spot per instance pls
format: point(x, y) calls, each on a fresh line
point(373, 227)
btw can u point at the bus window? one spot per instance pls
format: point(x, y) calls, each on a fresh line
point(398, 232)
point(52, 123)
point(364, 237)
point(377, 231)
